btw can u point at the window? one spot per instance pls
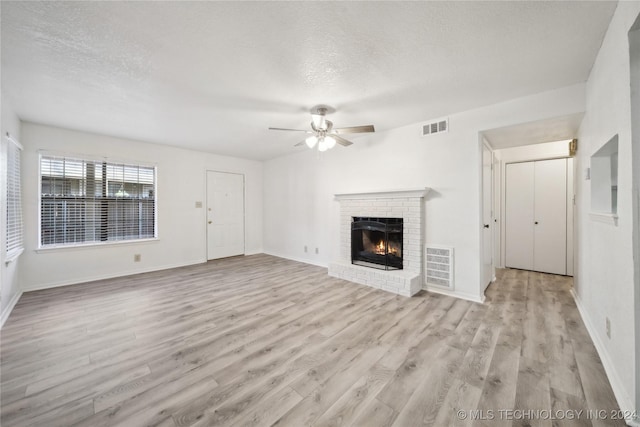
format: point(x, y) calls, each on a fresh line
point(14, 200)
point(95, 201)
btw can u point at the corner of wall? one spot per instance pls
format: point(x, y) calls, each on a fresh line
point(9, 284)
point(6, 312)
point(624, 400)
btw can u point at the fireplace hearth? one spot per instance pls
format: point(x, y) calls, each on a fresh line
point(377, 242)
point(402, 278)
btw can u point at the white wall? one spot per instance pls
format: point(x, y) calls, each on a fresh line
point(299, 189)
point(525, 153)
point(604, 270)
point(634, 41)
point(9, 287)
point(181, 226)
point(547, 150)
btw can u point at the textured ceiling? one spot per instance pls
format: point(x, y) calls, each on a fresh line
point(214, 76)
point(549, 130)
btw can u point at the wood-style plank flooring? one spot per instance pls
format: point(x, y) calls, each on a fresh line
point(261, 341)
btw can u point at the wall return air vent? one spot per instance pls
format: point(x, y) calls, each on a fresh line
point(436, 126)
point(439, 266)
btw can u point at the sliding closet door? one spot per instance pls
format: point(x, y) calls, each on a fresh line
point(519, 213)
point(536, 216)
point(550, 225)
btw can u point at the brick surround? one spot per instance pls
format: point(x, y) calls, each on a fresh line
point(405, 204)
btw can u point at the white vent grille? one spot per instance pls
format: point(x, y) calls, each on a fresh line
point(439, 266)
point(436, 126)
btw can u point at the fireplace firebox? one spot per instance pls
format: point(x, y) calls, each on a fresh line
point(377, 242)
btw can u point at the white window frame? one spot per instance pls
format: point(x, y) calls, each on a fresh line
point(14, 247)
point(89, 244)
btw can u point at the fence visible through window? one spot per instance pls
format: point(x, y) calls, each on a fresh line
point(86, 201)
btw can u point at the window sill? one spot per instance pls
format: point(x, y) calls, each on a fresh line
point(607, 218)
point(55, 248)
point(13, 255)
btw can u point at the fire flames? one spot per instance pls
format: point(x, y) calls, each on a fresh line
point(381, 249)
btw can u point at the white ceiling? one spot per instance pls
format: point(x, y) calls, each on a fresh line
point(548, 130)
point(214, 76)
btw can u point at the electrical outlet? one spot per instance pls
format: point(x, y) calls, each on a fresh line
point(317, 252)
point(608, 322)
point(305, 249)
point(198, 204)
point(137, 258)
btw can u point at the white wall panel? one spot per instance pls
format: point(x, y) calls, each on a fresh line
point(604, 279)
point(181, 225)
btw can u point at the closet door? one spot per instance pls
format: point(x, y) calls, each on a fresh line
point(550, 222)
point(519, 215)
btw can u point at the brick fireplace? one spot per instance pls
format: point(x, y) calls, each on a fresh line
point(405, 204)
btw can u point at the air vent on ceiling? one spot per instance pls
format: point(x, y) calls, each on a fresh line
point(439, 266)
point(436, 126)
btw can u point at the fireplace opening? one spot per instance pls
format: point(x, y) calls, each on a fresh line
point(377, 242)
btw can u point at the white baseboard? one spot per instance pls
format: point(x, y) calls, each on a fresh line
point(635, 422)
point(7, 311)
point(624, 401)
point(306, 261)
point(456, 294)
point(254, 252)
point(111, 276)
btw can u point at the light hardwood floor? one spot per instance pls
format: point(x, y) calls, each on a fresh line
point(259, 341)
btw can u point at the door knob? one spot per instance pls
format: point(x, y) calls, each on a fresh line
point(536, 223)
point(486, 226)
point(210, 222)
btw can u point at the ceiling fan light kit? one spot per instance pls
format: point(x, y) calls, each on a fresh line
point(311, 141)
point(323, 133)
point(326, 143)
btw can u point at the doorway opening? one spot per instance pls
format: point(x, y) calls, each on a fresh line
point(545, 139)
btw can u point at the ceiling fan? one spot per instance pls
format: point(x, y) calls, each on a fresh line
point(323, 133)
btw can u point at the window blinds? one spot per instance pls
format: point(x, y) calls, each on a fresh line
point(14, 199)
point(89, 202)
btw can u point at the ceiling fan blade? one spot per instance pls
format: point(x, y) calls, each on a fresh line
point(293, 130)
point(356, 129)
point(340, 140)
point(303, 142)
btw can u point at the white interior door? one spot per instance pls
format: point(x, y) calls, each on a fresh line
point(225, 214)
point(519, 215)
point(550, 231)
point(487, 221)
